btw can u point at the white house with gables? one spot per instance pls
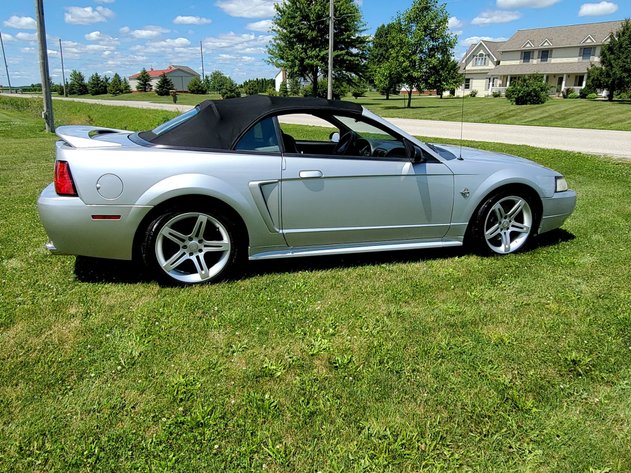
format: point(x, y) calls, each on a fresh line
point(561, 54)
point(179, 75)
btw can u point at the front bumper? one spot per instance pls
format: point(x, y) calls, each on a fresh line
point(72, 230)
point(556, 210)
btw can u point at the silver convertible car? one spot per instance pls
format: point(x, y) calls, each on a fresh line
point(240, 178)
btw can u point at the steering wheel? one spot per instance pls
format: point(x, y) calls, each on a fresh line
point(347, 140)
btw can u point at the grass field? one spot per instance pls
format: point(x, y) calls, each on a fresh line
point(578, 113)
point(414, 361)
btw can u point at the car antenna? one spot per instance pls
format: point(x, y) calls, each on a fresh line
point(462, 112)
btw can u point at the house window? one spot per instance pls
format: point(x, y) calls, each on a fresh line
point(480, 60)
point(578, 80)
point(525, 56)
point(544, 55)
point(467, 84)
point(586, 54)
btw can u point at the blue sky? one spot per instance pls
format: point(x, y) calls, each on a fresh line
point(108, 36)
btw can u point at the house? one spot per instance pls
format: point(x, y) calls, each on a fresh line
point(179, 75)
point(561, 54)
point(279, 79)
point(478, 65)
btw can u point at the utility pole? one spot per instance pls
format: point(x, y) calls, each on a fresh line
point(201, 52)
point(329, 94)
point(43, 67)
point(5, 62)
point(63, 72)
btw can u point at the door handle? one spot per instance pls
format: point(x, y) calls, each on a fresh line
point(310, 174)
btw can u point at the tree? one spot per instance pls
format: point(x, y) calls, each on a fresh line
point(614, 73)
point(126, 88)
point(445, 75)
point(115, 86)
point(425, 44)
point(217, 81)
point(383, 65)
point(294, 86)
point(283, 91)
point(230, 91)
point(144, 81)
point(96, 85)
point(77, 85)
point(164, 85)
point(197, 86)
point(528, 90)
point(301, 42)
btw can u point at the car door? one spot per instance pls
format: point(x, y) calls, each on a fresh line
point(353, 199)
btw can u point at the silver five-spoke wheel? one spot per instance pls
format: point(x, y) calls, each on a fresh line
point(503, 223)
point(190, 247)
point(507, 225)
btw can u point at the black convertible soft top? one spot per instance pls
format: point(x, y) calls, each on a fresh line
point(218, 124)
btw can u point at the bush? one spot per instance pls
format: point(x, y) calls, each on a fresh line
point(359, 90)
point(230, 91)
point(496, 93)
point(592, 96)
point(196, 86)
point(339, 89)
point(473, 93)
point(283, 91)
point(528, 90)
point(572, 95)
point(164, 85)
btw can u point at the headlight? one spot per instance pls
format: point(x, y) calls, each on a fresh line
point(561, 184)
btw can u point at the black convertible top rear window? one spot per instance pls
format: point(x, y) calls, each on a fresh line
point(218, 124)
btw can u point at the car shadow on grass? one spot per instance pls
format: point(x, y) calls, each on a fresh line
point(96, 270)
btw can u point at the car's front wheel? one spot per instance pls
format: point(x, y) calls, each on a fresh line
point(503, 224)
point(190, 246)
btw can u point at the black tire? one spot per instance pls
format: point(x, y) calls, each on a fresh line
point(503, 224)
point(191, 245)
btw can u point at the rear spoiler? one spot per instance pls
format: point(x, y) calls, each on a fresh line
point(84, 136)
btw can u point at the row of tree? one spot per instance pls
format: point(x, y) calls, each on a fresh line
point(415, 49)
point(96, 85)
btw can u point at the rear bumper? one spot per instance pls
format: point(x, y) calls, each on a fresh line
point(72, 229)
point(556, 210)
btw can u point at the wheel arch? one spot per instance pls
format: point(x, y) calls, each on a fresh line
point(513, 187)
point(190, 200)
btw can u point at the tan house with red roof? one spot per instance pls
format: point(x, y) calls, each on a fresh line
point(179, 75)
point(561, 54)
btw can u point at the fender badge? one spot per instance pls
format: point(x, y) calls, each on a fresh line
point(465, 193)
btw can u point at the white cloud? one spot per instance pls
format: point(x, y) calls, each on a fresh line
point(26, 36)
point(264, 26)
point(104, 1)
point(454, 23)
point(476, 39)
point(99, 37)
point(598, 9)
point(495, 16)
point(508, 4)
point(191, 20)
point(147, 32)
point(6, 37)
point(242, 43)
point(21, 23)
point(173, 43)
point(87, 15)
point(248, 8)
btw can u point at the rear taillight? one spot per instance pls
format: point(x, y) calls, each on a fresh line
point(63, 179)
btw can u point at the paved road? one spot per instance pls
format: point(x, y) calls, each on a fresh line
point(601, 142)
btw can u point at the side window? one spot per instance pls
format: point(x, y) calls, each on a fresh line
point(261, 137)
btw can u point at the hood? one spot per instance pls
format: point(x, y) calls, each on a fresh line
point(486, 157)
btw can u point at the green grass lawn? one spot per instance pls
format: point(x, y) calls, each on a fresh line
point(429, 360)
point(577, 113)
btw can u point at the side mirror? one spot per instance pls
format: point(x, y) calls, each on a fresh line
point(419, 155)
point(334, 137)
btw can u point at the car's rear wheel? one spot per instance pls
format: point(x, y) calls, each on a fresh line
point(503, 224)
point(190, 246)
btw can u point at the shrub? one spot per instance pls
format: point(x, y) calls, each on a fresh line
point(230, 91)
point(271, 92)
point(164, 85)
point(572, 95)
point(283, 90)
point(473, 93)
point(592, 96)
point(359, 90)
point(496, 93)
point(528, 90)
point(196, 86)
